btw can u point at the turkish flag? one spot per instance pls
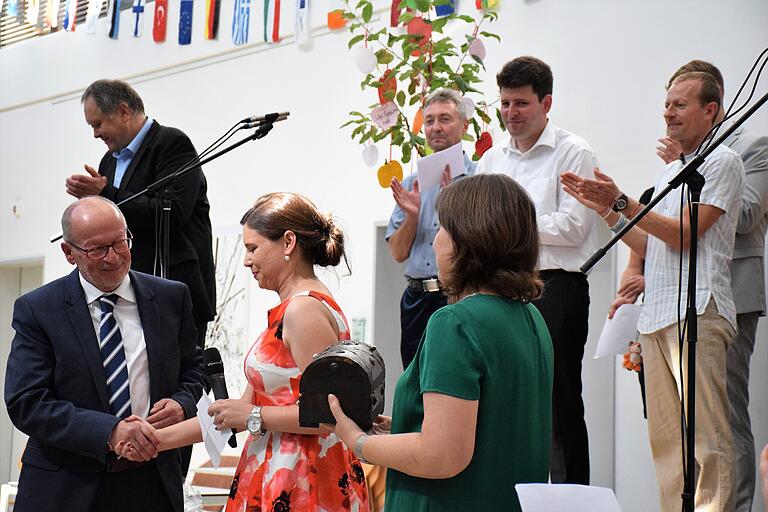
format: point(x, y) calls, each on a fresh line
point(161, 20)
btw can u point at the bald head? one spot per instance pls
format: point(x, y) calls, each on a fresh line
point(96, 240)
point(86, 210)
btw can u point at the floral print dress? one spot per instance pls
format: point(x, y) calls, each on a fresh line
point(284, 472)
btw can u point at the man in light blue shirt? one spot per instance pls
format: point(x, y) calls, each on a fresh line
point(413, 224)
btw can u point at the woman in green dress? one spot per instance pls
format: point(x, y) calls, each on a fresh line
point(472, 412)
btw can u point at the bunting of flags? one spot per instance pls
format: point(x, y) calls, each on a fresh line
point(271, 21)
point(185, 22)
point(13, 8)
point(70, 15)
point(302, 21)
point(91, 15)
point(446, 9)
point(161, 21)
point(240, 21)
point(52, 13)
point(113, 15)
point(212, 8)
point(138, 17)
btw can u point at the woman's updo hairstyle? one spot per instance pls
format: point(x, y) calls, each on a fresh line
point(320, 240)
point(492, 222)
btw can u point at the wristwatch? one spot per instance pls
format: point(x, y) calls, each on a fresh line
point(620, 203)
point(253, 423)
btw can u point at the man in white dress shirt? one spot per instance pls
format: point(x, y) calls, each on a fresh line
point(535, 155)
point(692, 106)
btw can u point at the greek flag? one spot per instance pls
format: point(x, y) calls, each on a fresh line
point(240, 21)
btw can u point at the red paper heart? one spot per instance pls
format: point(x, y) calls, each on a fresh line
point(388, 83)
point(418, 27)
point(483, 144)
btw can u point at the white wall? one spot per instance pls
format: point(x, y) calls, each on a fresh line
point(610, 60)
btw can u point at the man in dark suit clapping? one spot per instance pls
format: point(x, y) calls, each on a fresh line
point(91, 349)
point(141, 151)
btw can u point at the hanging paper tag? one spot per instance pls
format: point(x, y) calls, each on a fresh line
point(161, 21)
point(138, 17)
point(185, 22)
point(212, 9)
point(446, 9)
point(240, 21)
point(302, 21)
point(91, 15)
point(113, 14)
point(335, 14)
point(385, 116)
point(271, 21)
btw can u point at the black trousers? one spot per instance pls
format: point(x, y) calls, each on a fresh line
point(135, 490)
point(565, 308)
point(415, 309)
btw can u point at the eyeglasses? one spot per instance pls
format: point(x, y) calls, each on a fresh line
point(119, 246)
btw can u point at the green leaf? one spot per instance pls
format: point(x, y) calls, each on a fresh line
point(406, 149)
point(438, 24)
point(467, 137)
point(482, 115)
point(414, 100)
point(383, 57)
point(406, 17)
point(411, 4)
point(491, 35)
point(400, 98)
point(423, 5)
point(367, 12)
point(465, 17)
point(502, 124)
point(389, 95)
point(355, 40)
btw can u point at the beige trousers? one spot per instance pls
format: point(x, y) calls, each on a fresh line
point(715, 484)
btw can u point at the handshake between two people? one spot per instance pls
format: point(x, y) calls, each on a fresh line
point(141, 439)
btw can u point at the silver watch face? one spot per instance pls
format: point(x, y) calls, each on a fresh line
point(254, 423)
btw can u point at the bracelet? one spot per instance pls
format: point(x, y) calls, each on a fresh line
point(358, 450)
point(619, 224)
point(606, 212)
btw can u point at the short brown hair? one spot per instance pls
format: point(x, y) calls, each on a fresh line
point(492, 222)
point(524, 71)
point(701, 66)
point(320, 240)
point(709, 89)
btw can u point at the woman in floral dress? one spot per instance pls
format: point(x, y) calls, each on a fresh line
point(285, 467)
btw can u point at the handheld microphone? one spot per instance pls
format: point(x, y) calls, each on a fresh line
point(214, 369)
point(266, 118)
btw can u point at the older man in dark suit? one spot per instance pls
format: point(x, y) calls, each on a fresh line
point(91, 349)
point(142, 151)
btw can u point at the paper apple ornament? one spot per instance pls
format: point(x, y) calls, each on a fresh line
point(370, 155)
point(364, 59)
point(483, 144)
point(418, 122)
point(477, 49)
point(389, 170)
point(388, 83)
point(418, 27)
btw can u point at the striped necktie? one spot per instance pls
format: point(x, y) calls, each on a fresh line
point(113, 355)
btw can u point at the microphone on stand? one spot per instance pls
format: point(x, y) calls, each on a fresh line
point(274, 117)
point(214, 369)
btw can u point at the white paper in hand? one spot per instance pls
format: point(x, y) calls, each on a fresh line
point(214, 440)
point(619, 331)
point(430, 168)
point(570, 497)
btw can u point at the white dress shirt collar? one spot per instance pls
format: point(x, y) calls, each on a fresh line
point(124, 290)
point(547, 138)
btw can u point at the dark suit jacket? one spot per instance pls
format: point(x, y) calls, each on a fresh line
point(56, 392)
point(162, 152)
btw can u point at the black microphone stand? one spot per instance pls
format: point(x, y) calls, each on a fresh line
point(163, 188)
point(690, 176)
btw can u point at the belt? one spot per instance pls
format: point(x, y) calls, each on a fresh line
point(427, 285)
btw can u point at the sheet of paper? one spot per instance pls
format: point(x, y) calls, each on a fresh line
point(430, 168)
point(570, 497)
point(214, 441)
point(619, 331)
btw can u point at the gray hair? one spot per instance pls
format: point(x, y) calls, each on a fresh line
point(66, 217)
point(444, 95)
point(109, 94)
